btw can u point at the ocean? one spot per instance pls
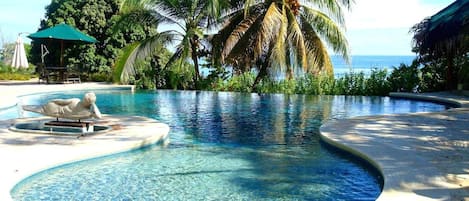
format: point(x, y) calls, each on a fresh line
point(361, 63)
point(365, 64)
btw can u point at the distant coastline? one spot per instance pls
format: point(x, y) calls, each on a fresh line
point(359, 63)
point(365, 63)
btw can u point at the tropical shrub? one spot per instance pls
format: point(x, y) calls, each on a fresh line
point(350, 84)
point(239, 83)
point(10, 73)
point(377, 84)
point(405, 78)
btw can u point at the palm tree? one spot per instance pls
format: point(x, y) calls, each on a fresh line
point(133, 13)
point(191, 17)
point(282, 36)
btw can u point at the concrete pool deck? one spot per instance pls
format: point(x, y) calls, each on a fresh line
point(422, 156)
point(23, 154)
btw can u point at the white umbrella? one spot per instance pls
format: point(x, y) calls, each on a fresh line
point(19, 56)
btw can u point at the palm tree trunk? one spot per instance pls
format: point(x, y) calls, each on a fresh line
point(195, 59)
point(289, 74)
point(262, 73)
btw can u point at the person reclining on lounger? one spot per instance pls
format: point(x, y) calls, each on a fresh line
point(73, 108)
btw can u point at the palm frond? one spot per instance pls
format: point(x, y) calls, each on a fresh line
point(247, 5)
point(297, 40)
point(268, 31)
point(171, 11)
point(153, 43)
point(318, 57)
point(133, 14)
point(216, 7)
point(232, 32)
point(182, 52)
point(328, 30)
point(123, 72)
point(242, 54)
point(139, 51)
point(278, 56)
point(237, 34)
point(333, 7)
point(172, 60)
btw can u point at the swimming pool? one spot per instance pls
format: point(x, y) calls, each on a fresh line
point(224, 146)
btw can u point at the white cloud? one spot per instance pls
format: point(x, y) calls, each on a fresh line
point(381, 27)
point(376, 14)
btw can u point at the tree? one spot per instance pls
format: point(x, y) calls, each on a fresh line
point(191, 17)
point(133, 13)
point(444, 37)
point(282, 36)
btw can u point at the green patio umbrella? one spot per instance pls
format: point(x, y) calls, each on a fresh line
point(63, 32)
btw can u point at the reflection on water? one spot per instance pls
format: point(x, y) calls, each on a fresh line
point(223, 146)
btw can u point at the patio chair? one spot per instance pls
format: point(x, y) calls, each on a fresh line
point(42, 73)
point(73, 75)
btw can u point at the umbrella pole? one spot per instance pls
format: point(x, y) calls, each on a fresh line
point(61, 53)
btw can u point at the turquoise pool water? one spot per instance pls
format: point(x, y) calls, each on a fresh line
point(224, 146)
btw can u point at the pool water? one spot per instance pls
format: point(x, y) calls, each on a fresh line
point(224, 146)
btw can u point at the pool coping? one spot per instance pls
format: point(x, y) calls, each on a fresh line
point(421, 156)
point(25, 154)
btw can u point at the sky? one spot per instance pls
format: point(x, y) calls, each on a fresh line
point(374, 27)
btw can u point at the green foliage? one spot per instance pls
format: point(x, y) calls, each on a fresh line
point(405, 78)
point(216, 75)
point(99, 77)
point(351, 84)
point(377, 84)
point(180, 78)
point(150, 73)
point(143, 76)
point(14, 76)
point(239, 83)
point(120, 63)
point(7, 53)
point(434, 72)
point(27, 49)
point(189, 19)
point(309, 84)
point(463, 74)
point(9, 73)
